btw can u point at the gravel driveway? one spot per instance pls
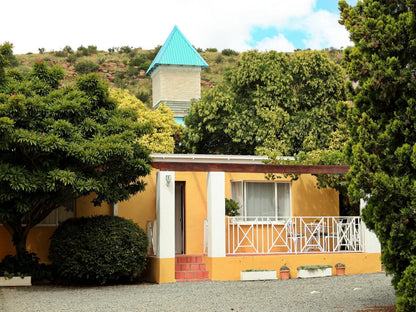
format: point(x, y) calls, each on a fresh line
point(347, 293)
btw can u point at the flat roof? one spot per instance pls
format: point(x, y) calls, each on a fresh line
point(237, 163)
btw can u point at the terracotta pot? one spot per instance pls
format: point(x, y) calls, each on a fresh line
point(340, 271)
point(284, 274)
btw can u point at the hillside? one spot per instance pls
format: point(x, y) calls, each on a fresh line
point(126, 67)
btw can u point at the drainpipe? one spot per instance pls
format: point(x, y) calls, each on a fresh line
point(115, 209)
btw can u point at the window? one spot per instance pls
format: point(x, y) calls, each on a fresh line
point(62, 213)
point(262, 199)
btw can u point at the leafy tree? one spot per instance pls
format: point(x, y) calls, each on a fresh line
point(59, 141)
point(160, 139)
point(382, 123)
point(270, 103)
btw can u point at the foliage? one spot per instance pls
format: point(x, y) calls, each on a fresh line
point(231, 208)
point(229, 52)
point(314, 267)
point(270, 103)
point(340, 265)
point(284, 268)
point(382, 149)
point(59, 141)
point(27, 265)
point(98, 250)
point(68, 49)
point(86, 67)
point(406, 300)
point(163, 127)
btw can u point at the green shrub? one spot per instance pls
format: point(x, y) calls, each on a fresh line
point(231, 208)
point(82, 51)
point(406, 300)
point(86, 67)
point(60, 54)
point(211, 50)
point(27, 266)
point(314, 267)
point(71, 59)
point(125, 49)
point(229, 52)
point(219, 59)
point(92, 49)
point(98, 250)
point(68, 49)
point(144, 95)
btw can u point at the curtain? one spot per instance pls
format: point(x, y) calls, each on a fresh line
point(260, 199)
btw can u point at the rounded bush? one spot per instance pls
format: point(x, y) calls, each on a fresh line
point(98, 250)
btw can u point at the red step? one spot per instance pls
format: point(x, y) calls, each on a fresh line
point(190, 268)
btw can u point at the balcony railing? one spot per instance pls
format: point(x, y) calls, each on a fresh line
point(266, 235)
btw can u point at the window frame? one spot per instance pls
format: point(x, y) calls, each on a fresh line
point(57, 221)
point(276, 219)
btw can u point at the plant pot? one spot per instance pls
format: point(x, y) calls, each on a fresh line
point(257, 275)
point(16, 281)
point(284, 274)
point(340, 271)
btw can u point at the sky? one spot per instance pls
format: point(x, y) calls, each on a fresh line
point(241, 25)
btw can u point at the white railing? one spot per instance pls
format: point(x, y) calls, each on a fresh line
point(151, 229)
point(265, 235)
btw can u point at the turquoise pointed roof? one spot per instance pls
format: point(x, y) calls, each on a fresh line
point(177, 51)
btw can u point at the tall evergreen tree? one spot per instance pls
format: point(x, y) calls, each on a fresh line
point(382, 149)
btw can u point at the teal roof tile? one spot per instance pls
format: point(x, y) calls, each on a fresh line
point(177, 51)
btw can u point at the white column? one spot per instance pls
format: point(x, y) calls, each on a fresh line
point(371, 242)
point(165, 214)
point(216, 213)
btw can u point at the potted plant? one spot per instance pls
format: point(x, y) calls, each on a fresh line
point(340, 269)
point(284, 272)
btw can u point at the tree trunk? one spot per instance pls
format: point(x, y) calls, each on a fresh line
point(20, 245)
point(19, 238)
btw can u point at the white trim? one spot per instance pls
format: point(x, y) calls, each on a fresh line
point(205, 158)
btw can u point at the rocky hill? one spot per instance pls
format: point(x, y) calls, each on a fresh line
point(126, 67)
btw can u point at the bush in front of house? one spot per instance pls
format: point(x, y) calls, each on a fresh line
point(27, 265)
point(98, 250)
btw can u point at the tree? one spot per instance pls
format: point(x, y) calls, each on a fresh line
point(382, 148)
point(62, 141)
point(160, 138)
point(270, 103)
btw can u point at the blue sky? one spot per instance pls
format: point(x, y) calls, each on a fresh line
point(297, 36)
point(282, 25)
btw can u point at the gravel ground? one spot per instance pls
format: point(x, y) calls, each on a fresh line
point(347, 293)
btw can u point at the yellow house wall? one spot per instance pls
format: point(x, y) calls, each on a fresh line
point(229, 268)
point(307, 199)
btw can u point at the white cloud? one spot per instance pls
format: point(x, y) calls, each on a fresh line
point(278, 43)
point(217, 23)
point(324, 31)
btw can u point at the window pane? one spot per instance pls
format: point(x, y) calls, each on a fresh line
point(260, 199)
point(237, 193)
point(50, 219)
point(283, 199)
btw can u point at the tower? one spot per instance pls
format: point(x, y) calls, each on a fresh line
point(176, 74)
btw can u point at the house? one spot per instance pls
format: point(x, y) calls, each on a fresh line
point(282, 222)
